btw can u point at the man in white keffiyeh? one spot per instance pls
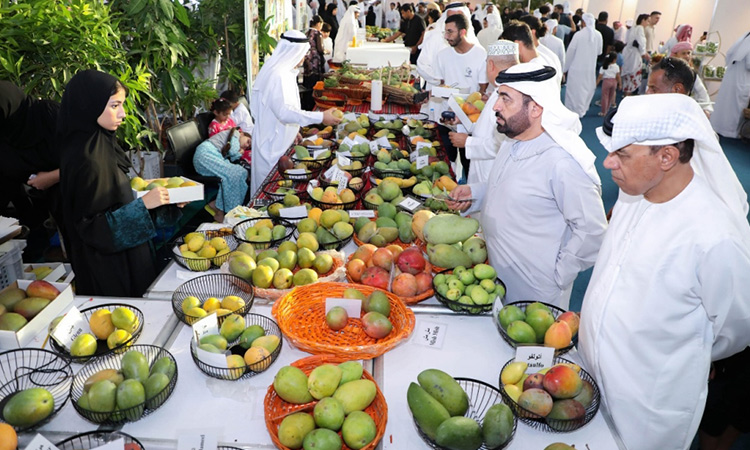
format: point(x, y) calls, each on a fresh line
point(670, 291)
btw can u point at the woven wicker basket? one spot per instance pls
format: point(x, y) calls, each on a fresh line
point(301, 316)
point(407, 300)
point(277, 409)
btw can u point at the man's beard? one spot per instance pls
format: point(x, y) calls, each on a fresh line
point(514, 125)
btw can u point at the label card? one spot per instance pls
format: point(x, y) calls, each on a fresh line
point(350, 116)
point(423, 161)
point(356, 213)
point(294, 212)
point(430, 334)
point(333, 172)
point(410, 204)
point(299, 171)
point(313, 138)
point(311, 185)
point(205, 326)
point(423, 144)
point(211, 358)
point(203, 441)
point(40, 443)
point(367, 170)
point(537, 357)
point(348, 141)
point(344, 160)
point(384, 142)
point(117, 444)
point(343, 180)
point(352, 306)
point(359, 139)
point(413, 156)
point(70, 327)
point(374, 147)
point(405, 129)
point(318, 152)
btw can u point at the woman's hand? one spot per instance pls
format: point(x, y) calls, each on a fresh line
point(44, 180)
point(156, 197)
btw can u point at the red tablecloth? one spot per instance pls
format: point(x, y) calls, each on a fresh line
point(388, 108)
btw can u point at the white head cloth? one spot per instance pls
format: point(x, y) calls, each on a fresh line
point(550, 24)
point(347, 30)
point(662, 119)
point(629, 23)
point(502, 47)
point(536, 14)
point(562, 124)
point(566, 7)
point(590, 29)
point(470, 36)
point(495, 13)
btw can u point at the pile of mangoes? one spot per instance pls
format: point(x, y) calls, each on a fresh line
point(17, 306)
point(376, 308)
point(115, 327)
point(536, 324)
point(199, 253)
point(139, 184)
point(195, 309)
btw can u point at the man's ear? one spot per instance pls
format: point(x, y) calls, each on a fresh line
point(679, 88)
point(669, 156)
point(535, 110)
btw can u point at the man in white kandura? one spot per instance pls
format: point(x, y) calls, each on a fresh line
point(542, 211)
point(552, 42)
point(734, 92)
point(580, 66)
point(670, 290)
point(481, 147)
point(348, 27)
point(275, 104)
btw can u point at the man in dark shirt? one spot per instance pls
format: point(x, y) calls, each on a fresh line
point(412, 29)
point(608, 35)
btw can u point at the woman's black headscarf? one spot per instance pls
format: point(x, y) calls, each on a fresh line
point(22, 125)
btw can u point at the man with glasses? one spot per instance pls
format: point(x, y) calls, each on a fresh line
point(670, 75)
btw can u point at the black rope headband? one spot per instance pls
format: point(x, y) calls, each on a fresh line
point(294, 39)
point(538, 75)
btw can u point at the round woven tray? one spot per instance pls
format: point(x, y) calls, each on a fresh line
point(277, 409)
point(301, 316)
point(94, 439)
point(523, 304)
point(554, 425)
point(407, 300)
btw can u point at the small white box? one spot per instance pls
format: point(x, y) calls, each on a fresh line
point(58, 271)
point(465, 121)
point(444, 92)
point(180, 194)
point(22, 337)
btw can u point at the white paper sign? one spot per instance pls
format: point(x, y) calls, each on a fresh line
point(333, 172)
point(405, 130)
point(359, 139)
point(374, 147)
point(117, 444)
point(294, 212)
point(313, 138)
point(356, 213)
point(350, 116)
point(343, 182)
point(413, 156)
point(536, 357)
point(203, 441)
point(423, 144)
point(40, 443)
point(349, 142)
point(384, 142)
point(367, 170)
point(344, 160)
point(352, 306)
point(205, 326)
point(211, 358)
point(410, 204)
point(299, 171)
point(317, 153)
point(430, 334)
point(422, 161)
point(312, 185)
point(70, 327)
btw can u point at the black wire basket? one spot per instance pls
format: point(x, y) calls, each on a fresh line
point(463, 308)
point(204, 264)
point(101, 344)
point(240, 229)
point(555, 425)
point(344, 205)
point(227, 447)
point(481, 397)
point(395, 173)
point(294, 219)
point(556, 312)
point(28, 368)
point(212, 285)
point(113, 361)
point(271, 189)
point(271, 328)
point(419, 116)
point(312, 170)
point(94, 439)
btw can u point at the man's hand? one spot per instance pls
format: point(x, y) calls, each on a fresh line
point(329, 118)
point(458, 139)
point(460, 192)
point(44, 180)
point(156, 197)
point(297, 139)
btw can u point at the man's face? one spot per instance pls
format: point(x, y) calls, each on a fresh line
point(406, 14)
point(489, 9)
point(453, 35)
point(512, 115)
point(654, 19)
point(660, 84)
point(635, 169)
point(420, 8)
point(685, 55)
point(558, 10)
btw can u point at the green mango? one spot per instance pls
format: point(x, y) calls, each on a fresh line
point(278, 232)
point(294, 428)
point(459, 433)
point(290, 383)
point(153, 386)
point(131, 394)
point(216, 340)
point(250, 334)
point(164, 365)
point(358, 430)
point(134, 365)
point(427, 411)
point(445, 389)
point(386, 210)
point(405, 233)
point(329, 413)
point(324, 380)
point(301, 152)
point(355, 395)
point(28, 407)
point(402, 217)
point(449, 229)
point(322, 439)
point(350, 371)
point(360, 222)
point(102, 396)
point(497, 426)
point(389, 234)
point(386, 221)
point(447, 256)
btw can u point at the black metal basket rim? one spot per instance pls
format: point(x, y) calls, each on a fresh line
point(557, 311)
point(100, 432)
point(181, 289)
point(448, 301)
point(272, 356)
point(281, 221)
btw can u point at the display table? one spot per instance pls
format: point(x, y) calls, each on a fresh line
point(378, 54)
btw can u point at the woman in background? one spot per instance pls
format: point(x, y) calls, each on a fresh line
point(634, 55)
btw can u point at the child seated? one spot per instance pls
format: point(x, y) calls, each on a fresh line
point(222, 122)
point(241, 116)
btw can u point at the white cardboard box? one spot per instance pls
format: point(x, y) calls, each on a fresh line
point(9, 339)
point(453, 104)
point(444, 92)
point(180, 194)
point(58, 270)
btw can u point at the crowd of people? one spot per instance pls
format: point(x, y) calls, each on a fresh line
point(668, 302)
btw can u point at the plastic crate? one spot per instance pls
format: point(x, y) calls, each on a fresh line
point(11, 262)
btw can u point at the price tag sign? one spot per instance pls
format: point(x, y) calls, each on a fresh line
point(343, 180)
point(384, 142)
point(332, 172)
point(203, 441)
point(423, 144)
point(405, 129)
point(413, 156)
point(356, 213)
point(352, 306)
point(296, 171)
point(367, 170)
point(359, 139)
point(312, 185)
point(350, 116)
point(40, 443)
point(318, 152)
point(205, 326)
point(70, 327)
point(423, 161)
point(536, 357)
point(430, 334)
point(344, 160)
point(294, 212)
point(348, 141)
point(313, 138)
point(117, 444)
point(410, 204)
point(374, 147)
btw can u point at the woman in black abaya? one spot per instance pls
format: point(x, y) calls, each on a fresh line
point(108, 230)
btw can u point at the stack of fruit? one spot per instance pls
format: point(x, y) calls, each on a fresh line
point(450, 239)
point(391, 227)
point(472, 105)
point(563, 397)
point(388, 190)
point(359, 152)
point(319, 130)
point(289, 201)
point(372, 266)
point(18, 307)
point(331, 229)
point(199, 251)
point(111, 327)
point(472, 290)
point(392, 163)
point(360, 125)
point(125, 387)
point(302, 156)
point(263, 233)
point(292, 264)
point(346, 400)
point(330, 198)
point(139, 184)
point(251, 348)
point(528, 322)
point(438, 404)
point(376, 308)
point(195, 309)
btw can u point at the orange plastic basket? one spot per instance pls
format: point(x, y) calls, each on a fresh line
point(276, 409)
point(407, 300)
point(301, 317)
